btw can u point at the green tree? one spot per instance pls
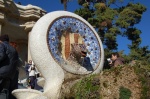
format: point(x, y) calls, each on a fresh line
point(112, 18)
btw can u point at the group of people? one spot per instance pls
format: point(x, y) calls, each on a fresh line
point(9, 69)
point(9, 63)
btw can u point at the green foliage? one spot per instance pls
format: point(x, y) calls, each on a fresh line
point(110, 21)
point(143, 72)
point(124, 93)
point(80, 2)
point(85, 13)
point(142, 54)
point(87, 88)
point(137, 7)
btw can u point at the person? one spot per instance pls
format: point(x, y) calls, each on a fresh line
point(8, 68)
point(85, 61)
point(116, 60)
point(32, 75)
point(37, 87)
point(27, 66)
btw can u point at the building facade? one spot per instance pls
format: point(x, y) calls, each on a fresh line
point(17, 21)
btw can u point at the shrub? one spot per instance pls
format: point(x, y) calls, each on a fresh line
point(124, 93)
point(87, 88)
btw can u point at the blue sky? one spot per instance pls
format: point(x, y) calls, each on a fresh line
point(54, 5)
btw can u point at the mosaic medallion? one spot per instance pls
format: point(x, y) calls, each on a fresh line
point(78, 33)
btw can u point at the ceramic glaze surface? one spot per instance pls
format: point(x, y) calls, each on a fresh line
point(77, 26)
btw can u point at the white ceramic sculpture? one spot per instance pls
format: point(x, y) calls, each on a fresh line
point(43, 42)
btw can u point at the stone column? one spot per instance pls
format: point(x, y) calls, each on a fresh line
point(28, 28)
point(29, 54)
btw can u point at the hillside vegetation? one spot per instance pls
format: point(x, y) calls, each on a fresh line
point(123, 82)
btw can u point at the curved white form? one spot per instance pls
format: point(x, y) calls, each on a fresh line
point(50, 70)
point(26, 93)
point(41, 82)
point(47, 61)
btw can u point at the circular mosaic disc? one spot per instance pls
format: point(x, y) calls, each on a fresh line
point(67, 30)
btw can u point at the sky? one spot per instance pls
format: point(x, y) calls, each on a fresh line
point(55, 5)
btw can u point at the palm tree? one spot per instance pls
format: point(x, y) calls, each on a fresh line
point(64, 2)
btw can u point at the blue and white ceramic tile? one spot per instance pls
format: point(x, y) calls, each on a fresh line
point(76, 25)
